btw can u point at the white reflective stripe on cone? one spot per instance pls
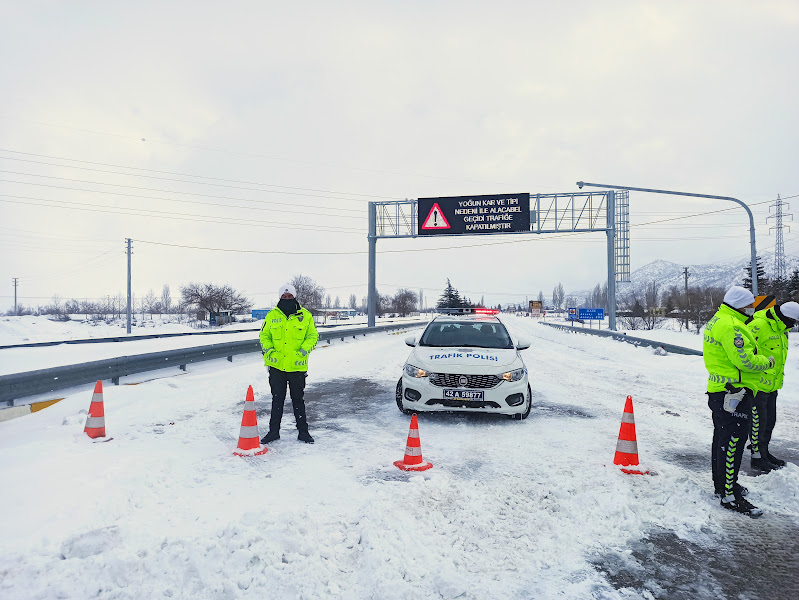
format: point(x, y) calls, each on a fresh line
point(249, 432)
point(412, 451)
point(628, 418)
point(627, 447)
point(97, 397)
point(95, 422)
point(413, 433)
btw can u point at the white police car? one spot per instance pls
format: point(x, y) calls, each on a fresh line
point(467, 364)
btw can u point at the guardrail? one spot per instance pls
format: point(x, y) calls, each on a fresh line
point(16, 387)
point(635, 341)
point(148, 336)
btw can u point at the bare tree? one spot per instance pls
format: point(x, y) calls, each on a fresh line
point(404, 302)
point(353, 301)
point(150, 301)
point(337, 302)
point(213, 298)
point(309, 293)
point(642, 312)
point(328, 302)
point(166, 298)
point(558, 295)
point(541, 298)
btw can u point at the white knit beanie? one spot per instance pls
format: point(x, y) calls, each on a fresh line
point(738, 297)
point(790, 310)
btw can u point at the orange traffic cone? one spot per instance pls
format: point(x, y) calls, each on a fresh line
point(627, 446)
point(95, 422)
point(249, 438)
point(413, 460)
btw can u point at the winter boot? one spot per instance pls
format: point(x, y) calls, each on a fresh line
point(739, 504)
point(737, 489)
point(271, 436)
point(304, 436)
point(762, 464)
point(777, 462)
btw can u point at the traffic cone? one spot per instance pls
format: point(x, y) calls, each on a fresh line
point(249, 438)
point(413, 460)
point(627, 446)
point(95, 422)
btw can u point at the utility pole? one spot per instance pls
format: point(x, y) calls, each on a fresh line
point(16, 280)
point(685, 272)
point(129, 253)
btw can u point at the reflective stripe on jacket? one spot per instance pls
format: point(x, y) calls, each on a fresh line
point(771, 336)
point(282, 338)
point(730, 353)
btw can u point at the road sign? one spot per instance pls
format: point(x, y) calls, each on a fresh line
point(435, 219)
point(591, 314)
point(457, 215)
point(259, 313)
point(763, 302)
point(572, 314)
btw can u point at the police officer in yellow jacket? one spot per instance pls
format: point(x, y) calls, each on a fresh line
point(735, 374)
point(288, 336)
point(770, 328)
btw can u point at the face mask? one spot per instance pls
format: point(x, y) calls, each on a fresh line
point(288, 305)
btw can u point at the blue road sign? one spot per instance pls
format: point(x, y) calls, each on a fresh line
point(259, 313)
point(572, 314)
point(591, 314)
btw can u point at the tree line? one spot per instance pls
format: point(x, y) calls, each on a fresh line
point(210, 297)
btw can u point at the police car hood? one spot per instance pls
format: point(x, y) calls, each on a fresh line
point(468, 360)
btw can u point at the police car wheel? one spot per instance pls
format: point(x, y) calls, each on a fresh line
point(526, 413)
point(406, 411)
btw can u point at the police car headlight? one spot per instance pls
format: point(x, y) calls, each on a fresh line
point(514, 375)
point(412, 371)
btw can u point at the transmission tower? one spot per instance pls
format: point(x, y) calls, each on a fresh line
point(780, 272)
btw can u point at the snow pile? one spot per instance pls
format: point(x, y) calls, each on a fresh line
point(530, 509)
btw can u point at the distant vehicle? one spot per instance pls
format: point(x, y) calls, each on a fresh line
point(467, 364)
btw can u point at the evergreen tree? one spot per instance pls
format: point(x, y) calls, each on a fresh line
point(451, 298)
point(793, 285)
point(763, 283)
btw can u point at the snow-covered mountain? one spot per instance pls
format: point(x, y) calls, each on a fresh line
point(668, 274)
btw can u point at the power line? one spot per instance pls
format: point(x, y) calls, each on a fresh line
point(363, 217)
point(169, 215)
point(88, 162)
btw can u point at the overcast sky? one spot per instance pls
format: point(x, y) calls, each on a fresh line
point(268, 126)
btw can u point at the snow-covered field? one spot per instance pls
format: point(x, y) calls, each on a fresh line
point(530, 509)
point(19, 330)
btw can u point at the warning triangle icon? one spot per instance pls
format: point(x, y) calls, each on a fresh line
point(435, 219)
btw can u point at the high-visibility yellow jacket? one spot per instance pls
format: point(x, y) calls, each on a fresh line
point(771, 336)
point(287, 341)
point(730, 353)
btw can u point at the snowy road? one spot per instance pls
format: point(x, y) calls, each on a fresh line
point(510, 509)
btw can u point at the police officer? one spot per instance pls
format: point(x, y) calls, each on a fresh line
point(288, 336)
point(734, 374)
point(770, 328)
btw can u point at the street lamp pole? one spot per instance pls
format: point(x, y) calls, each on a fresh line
point(753, 250)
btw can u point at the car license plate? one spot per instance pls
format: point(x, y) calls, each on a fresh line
point(463, 394)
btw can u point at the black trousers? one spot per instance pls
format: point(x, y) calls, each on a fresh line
point(764, 417)
point(296, 383)
point(730, 430)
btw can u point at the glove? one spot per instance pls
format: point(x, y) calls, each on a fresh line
point(733, 397)
point(770, 362)
point(303, 352)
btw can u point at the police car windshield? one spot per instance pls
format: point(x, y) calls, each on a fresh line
point(449, 334)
